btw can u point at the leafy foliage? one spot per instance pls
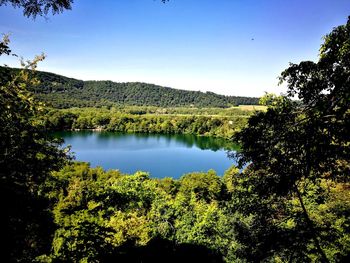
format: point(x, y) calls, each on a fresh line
point(4, 46)
point(114, 120)
point(32, 8)
point(294, 149)
point(62, 92)
point(27, 156)
point(106, 214)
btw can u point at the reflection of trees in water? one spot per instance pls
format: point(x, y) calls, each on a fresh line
point(188, 140)
point(204, 143)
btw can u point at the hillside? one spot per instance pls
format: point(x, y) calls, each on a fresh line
point(62, 92)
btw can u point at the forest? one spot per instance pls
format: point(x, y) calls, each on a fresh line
point(137, 120)
point(288, 200)
point(62, 92)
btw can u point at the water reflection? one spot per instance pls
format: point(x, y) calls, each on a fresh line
point(188, 140)
point(161, 155)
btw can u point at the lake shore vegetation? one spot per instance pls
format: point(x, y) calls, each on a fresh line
point(289, 204)
point(204, 122)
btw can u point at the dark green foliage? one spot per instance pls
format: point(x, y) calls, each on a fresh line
point(293, 150)
point(62, 92)
point(162, 250)
point(4, 48)
point(27, 156)
point(32, 8)
point(206, 186)
point(111, 216)
point(115, 120)
point(27, 153)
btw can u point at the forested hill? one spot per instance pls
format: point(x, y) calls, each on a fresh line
point(62, 92)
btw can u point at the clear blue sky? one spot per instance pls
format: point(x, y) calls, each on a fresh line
point(185, 44)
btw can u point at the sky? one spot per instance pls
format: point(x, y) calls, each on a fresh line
point(230, 47)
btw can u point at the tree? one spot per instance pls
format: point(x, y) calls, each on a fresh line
point(32, 8)
point(113, 217)
point(295, 147)
point(27, 153)
point(4, 48)
point(27, 156)
point(269, 99)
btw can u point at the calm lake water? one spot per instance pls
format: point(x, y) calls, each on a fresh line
point(160, 155)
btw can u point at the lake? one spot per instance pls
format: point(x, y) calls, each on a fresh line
point(160, 155)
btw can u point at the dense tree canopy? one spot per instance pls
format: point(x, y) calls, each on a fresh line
point(108, 216)
point(27, 153)
point(62, 92)
point(27, 156)
point(119, 121)
point(295, 148)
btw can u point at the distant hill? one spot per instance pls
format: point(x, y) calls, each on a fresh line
point(62, 92)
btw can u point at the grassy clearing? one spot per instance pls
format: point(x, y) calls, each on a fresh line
point(252, 107)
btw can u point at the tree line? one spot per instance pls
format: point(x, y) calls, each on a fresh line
point(62, 92)
point(114, 120)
